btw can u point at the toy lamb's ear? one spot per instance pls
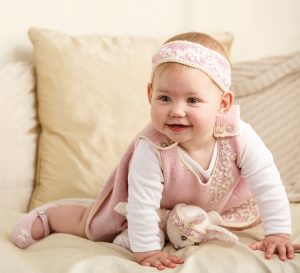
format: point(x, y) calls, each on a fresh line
point(194, 220)
point(220, 233)
point(121, 208)
point(215, 218)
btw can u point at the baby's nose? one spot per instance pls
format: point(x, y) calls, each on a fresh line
point(177, 112)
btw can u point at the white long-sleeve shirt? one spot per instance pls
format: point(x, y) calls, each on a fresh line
point(145, 189)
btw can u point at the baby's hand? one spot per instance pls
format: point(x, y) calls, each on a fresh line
point(162, 259)
point(276, 243)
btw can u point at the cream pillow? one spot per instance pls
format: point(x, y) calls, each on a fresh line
point(92, 102)
point(19, 133)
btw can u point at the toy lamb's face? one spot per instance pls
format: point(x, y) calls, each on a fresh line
point(187, 226)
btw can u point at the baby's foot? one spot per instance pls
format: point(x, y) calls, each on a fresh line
point(32, 227)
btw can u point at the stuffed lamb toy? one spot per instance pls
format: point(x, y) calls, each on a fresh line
point(183, 226)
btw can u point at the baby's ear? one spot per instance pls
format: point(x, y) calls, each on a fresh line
point(194, 220)
point(149, 92)
point(225, 103)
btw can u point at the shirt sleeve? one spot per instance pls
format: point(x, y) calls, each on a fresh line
point(262, 176)
point(144, 195)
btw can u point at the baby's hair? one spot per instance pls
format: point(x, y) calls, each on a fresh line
point(195, 37)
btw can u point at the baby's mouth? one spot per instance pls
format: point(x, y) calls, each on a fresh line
point(177, 125)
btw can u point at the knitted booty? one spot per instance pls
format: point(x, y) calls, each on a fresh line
point(22, 229)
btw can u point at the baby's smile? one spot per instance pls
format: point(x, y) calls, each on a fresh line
point(178, 127)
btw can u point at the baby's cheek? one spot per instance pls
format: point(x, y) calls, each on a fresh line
point(204, 120)
point(157, 116)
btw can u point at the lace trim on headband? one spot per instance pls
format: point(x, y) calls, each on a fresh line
point(198, 56)
point(193, 44)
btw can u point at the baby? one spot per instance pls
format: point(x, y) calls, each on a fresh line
point(196, 150)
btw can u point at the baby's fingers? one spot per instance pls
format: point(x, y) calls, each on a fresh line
point(296, 247)
point(291, 249)
point(157, 264)
point(167, 263)
point(282, 251)
point(270, 251)
point(258, 246)
point(175, 259)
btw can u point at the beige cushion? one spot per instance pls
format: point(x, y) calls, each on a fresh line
point(92, 102)
point(19, 132)
point(226, 38)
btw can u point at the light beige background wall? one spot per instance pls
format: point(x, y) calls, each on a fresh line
point(260, 27)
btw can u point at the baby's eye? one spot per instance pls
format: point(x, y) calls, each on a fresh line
point(165, 98)
point(192, 100)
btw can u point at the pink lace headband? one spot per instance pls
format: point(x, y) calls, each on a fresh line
point(195, 55)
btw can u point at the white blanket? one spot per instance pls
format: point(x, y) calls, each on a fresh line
point(69, 253)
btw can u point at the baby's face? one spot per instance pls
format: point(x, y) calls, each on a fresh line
point(184, 107)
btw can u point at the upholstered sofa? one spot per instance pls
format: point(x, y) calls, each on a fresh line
point(67, 118)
